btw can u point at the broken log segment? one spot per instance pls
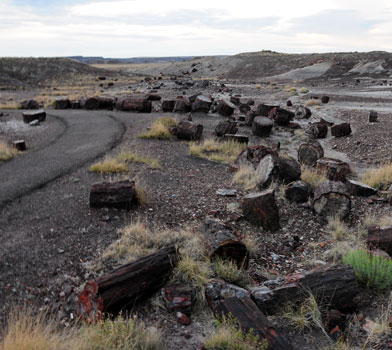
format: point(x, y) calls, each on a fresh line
point(310, 152)
point(182, 106)
point(262, 126)
point(19, 145)
point(380, 237)
point(226, 127)
point(39, 115)
point(281, 116)
point(225, 108)
point(359, 189)
point(133, 104)
point(89, 103)
point(331, 199)
point(333, 287)
point(302, 112)
point(236, 304)
point(187, 130)
point(123, 287)
point(168, 105)
point(317, 130)
point(335, 169)
point(120, 194)
point(341, 130)
point(221, 242)
point(298, 191)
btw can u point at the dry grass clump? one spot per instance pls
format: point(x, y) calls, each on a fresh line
point(10, 105)
point(27, 332)
point(313, 102)
point(160, 129)
point(229, 271)
point(246, 175)
point(304, 90)
point(337, 228)
point(257, 86)
point(132, 157)
point(6, 152)
point(312, 176)
point(290, 88)
point(109, 166)
point(225, 151)
point(380, 178)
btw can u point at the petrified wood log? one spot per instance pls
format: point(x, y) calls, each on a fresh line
point(202, 104)
point(335, 169)
point(281, 116)
point(324, 99)
point(187, 130)
point(123, 287)
point(380, 237)
point(262, 126)
point(273, 167)
point(317, 130)
point(237, 138)
point(153, 97)
point(90, 103)
point(331, 199)
point(244, 108)
point(227, 301)
point(310, 152)
point(341, 130)
point(249, 117)
point(20, 145)
point(134, 104)
point(302, 112)
point(373, 115)
point(235, 100)
point(298, 191)
point(30, 104)
point(225, 108)
point(260, 209)
point(221, 242)
point(226, 127)
point(120, 194)
point(263, 109)
point(105, 103)
point(182, 106)
point(333, 287)
point(168, 105)
point(62, 104)
point(39, 115)
point(359, 189)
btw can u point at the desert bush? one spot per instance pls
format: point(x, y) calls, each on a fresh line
point(6, 152)
point(246, 175)
point(160, 129)
point(109, 165)
point(313, 102)
point(225, 151)
point(228, 337)
point(380, 178)
point(304, 90)
point(373, 271)
point(290, 88)
point(312, 176)
point(229, 271)
point(132, 157)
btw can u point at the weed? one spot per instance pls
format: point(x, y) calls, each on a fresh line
point(229, 337)
point(132, 157)
point(337, 228)
point(225, 151)
point(289, 88)
point(304, 90)
point(246, 175)
point(371, 220)
point(109, 165)
point(160, 129)
point(313, 176)
point(380, 178)
point(6, 152)
point(373, 271)
point(300, 135)
point(230, 272)
point(313, 102)
point(11, 105)
point(257, 86)
point(141, 193)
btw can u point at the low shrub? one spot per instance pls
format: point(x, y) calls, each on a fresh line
point(108, 166)
point(225, 151)
point(313, 102)
point(313, 176)
point(160, 129)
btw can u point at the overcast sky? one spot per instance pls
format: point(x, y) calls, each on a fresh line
point(132, 28)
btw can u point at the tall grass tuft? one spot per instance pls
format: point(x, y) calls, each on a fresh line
point(109, 166)
point(160, 129)
point(6, 152)
point(380, 178)
point(225, 151)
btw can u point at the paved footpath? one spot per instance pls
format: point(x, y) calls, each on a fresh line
point(87, 135)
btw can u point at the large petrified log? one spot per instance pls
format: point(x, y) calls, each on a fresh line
point(202, 104)
point(62, 104)
point(226, 127)
point(123, 287)
point(281, 116)
point(333, 287)
point(105, 103)
point(302, 112)
point(252, 155)
point(263, 110)
point(120, 194)
point(260, 209)
point(168, 105)
point(373, 115)
point(331, 199)
point(225, 108)
point(273, 167)
point(187, 130)
point(317, 130)
point(380, 237)
point(230, 301)
point(89, 103)
point(39, 115)
point(335, 169)
point(298, 191)
point(341, 130)
point(262, 126)
point(182, 106)
point(221, 242)
point(134, 104)
point(359, 189)
point(310, 152)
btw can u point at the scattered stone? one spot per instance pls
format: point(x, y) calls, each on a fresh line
point(263, 110)
point(153, 97)
point(302, 112)
point(235, 100)
point(226, 193)
point(359, 189)
point(262, 126)
point(373, 115)
point(341, 130)
point(20, 145)
point(225, 108)
point(39, 115)
point(310, 152)
point(187, 130)
point(226, 127)
point(324, 99)
point(335, 169)
point(298, 191)
point(182, 318)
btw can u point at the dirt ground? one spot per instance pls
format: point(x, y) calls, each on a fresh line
point(48, 237)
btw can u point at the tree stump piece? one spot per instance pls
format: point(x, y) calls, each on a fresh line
point(310, 152)
point(225, 108)
point(134, 104)
point(298, 191)
point(226, 127)
point(187, 130)
point(380, 237)
point(335, 169)
point(341, 130)
point(120, 194)
point(39, 115)
point(262, 126)
point(373, 115)
point(168, 105)
point(20, 145)
point(302, 112)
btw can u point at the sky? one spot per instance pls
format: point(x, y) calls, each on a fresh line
point(140, 28)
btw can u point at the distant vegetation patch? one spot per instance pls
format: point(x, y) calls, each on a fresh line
point(108, 166)
point(380, 178)
point(313, 176)
point(160, 129)
point(132, 157)
point(225, 151)
point(313, 102)
point(6, 152)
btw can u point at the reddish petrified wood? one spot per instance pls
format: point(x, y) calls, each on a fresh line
point(318, 130)
point(123, 287)
point(281, 116)
point(263, 109)
point(340, 130)
point(332, 199)
point(243, 310)
point(380, 237)
point(336, 169)
point(134, 104)
point(302, 112)
point(221, 242)
point(260, 209)
point(202, 104)
point(225, 108)
point(120, 194)
point(252, 155)
point(187, 130)
point(310, 152)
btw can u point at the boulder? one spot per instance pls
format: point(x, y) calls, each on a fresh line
point(281, 116)
point(359, 189)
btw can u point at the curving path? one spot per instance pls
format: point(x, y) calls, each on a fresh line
point(87, 135)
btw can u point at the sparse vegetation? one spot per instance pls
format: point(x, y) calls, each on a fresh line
point(373, 271)
point(304, 90)
point(312, 176)
point(290, 88)
point(225, 151)
point(160, 129)
point(109, 166)
point(229, 337)
point(10, 105)
point(230, 272)
point(132, 157)
point(380, 178)
point(6, 152)
point(246, 175)
point(313, 102)
point(337, 228)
